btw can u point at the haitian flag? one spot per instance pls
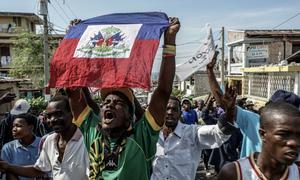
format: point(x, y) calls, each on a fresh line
point(109, 51)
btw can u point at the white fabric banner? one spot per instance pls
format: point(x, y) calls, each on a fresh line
point(199, 61)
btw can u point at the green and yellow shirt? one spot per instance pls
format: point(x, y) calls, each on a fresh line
point(87, 122)
point(135, 158)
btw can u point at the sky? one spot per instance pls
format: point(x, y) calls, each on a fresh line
point(193, 15)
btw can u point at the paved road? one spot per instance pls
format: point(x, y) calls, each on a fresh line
point(201, 173)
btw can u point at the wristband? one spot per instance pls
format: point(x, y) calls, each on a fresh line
point(169, 50)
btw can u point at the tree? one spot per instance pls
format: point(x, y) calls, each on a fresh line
point(27, 58)
point(177, 93)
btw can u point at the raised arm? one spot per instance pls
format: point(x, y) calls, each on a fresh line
point(77, 101)
point(214, 86)
point(160, 97)
point(226, 100)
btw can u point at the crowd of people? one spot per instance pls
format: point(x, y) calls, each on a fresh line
point(166, 140)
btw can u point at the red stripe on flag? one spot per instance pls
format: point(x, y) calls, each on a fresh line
point(135, 71)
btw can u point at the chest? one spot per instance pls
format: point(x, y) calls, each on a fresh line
point(25, 156)
point(175, 147)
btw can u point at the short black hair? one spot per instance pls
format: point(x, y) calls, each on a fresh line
point(278, 108)
point(30, 119)
point(63, 99)
point(176, 99)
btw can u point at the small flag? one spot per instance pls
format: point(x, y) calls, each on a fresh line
point(109, 51)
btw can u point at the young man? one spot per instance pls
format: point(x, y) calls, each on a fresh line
point(21, 106)
point(125, 150)
point(199, 108)
point(280, 135)
point(179, 145)
point(188, 113)
point(58, 150)
point(24, 149)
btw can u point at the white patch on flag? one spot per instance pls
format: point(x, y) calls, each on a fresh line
point(107, 41)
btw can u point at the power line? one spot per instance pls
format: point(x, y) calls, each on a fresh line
point(70, 10)
point(287, 20)
point(59, 14)
point(56, 1)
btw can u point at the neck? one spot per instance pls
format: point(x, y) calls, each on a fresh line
point(113, 133)
point(170, 128)
point(271, 168)
point(67, 134)
point(26, 141)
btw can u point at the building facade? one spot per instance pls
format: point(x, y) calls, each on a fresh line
point(10, 24)
point(263, 61)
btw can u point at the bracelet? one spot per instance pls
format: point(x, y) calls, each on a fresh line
point(169, 49)
point(168, 56)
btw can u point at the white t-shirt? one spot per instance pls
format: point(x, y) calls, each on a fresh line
point(75, 163)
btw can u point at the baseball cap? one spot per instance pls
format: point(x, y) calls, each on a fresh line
point(21, 106)
point(186, 99)
point(286, 96)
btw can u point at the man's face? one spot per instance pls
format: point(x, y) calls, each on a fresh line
point(58, 117)
point(115, 113)
point(201, 105)
point(173, 113)
point(186, 105)
point(282, 138)
point(21, 129)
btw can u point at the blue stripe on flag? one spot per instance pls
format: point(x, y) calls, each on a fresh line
point(148, 30)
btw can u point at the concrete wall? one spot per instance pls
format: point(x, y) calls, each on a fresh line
point(235, 36)
point(201, 83)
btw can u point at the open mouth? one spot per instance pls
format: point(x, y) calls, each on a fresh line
point(292, 154)
point(108, 117)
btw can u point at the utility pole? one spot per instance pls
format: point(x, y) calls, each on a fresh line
point(222, 69)
point(43, 10)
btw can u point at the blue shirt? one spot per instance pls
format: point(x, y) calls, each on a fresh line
point(249, 124)
point(190, 117)
point(15, 153)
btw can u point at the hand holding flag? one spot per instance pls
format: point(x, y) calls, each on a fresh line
point(110, 51)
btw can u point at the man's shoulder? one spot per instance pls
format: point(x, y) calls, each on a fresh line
point(50, 138)
point(11, 144)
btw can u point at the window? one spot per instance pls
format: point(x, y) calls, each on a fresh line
point(192, 81)
point(32, 27)
point(17, 21)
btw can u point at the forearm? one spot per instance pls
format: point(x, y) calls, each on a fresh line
point(27, 171)
point(167, 69)
point(214, 86)
point(77, 101)
point(139, 111)
point(89, 100)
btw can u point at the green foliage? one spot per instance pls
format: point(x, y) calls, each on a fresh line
point(37, 105)
point(177, 93)
point(27, 58)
